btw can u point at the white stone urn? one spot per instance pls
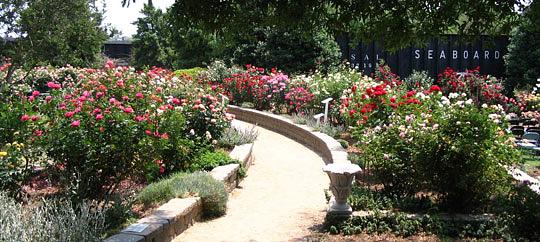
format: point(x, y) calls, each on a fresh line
point(341, 177)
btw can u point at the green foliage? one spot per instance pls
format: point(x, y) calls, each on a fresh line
point(213, 194)
point(419, 79)
point(455, 151)
point(192, 72)
point(399, 24)
point(210, 160)
point(291, 51)
point(233, 136)
point(58, 33)
point(362, 198)
point(402, 225)
point(150, 43)
point(524, 51)
point(49, 221)
point(159, 41)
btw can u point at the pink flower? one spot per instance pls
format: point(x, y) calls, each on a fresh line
point(31, 98)
point(120, 83)
point(125, 98)
point(38, 133)
point(109, 64)
point(34, 118)
point(75, 123)
point(25, 118)
point(139, 95)
point(35, 93)
point(48, 98)
point(165, 136)
point(69, 114)
point(99, 94)
point(53, 85)
point(139, 118)
point(99, 116)
point(148, 132)
point(128, 110)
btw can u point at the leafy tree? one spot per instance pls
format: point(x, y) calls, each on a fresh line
point(150, 43)
point(52, 32)
point(523, 58)
point(288, 50)
point(58, 32)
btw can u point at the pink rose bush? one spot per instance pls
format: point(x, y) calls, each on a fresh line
point(104, 125)
point(271, 91)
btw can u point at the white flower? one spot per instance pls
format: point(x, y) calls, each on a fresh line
point(468, 102)
point(453, 95)
point(484, 105)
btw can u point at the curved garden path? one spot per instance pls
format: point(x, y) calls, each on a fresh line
point(281, 199)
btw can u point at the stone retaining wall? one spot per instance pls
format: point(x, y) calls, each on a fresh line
point(175, 216)
point(327, 147)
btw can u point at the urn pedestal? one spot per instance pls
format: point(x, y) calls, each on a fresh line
point(341, 177)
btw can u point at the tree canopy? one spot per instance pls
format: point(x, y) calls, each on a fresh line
point(394, 24)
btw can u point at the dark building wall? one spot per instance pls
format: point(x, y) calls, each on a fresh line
point(446, 51)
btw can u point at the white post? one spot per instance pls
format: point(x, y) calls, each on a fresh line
point(318, 118)
point(326, 102)
point(223, 98)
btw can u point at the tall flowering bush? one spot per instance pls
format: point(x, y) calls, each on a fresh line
point(480, 88)
point(271, 91)
point(447, 146)
point(111, 123)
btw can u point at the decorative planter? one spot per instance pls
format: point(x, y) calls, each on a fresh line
point(341, 177)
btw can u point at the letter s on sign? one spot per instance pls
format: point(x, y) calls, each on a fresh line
point(417, 54)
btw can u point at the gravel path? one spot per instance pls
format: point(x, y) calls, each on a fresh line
point(281, 199)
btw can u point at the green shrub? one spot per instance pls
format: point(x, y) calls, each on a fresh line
point(217, 71)
point(211, 159)
point(455, 150)
point(192, 72)
point(49, 221)
point(212, 193)
point(291, 51)
point(523, 55)
point(419, 79)
point(233, 136)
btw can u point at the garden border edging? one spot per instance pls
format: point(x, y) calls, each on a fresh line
point(178, 214)
point(327, 147)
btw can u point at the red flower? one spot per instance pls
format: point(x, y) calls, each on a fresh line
point(25, 118)
point(435, 88)
point(148, 132)
point(34, 118)
point(69, 114)
point(139, 95)
point(99, 117)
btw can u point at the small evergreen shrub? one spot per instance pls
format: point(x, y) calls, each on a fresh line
point(233, 136)
point(212, 193)
point(210, 160)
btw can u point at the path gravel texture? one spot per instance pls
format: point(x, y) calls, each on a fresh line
point(281, 199)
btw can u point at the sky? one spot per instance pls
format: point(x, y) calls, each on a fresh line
point(123, 17)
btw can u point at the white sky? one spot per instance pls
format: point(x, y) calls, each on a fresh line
point(122, 18)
